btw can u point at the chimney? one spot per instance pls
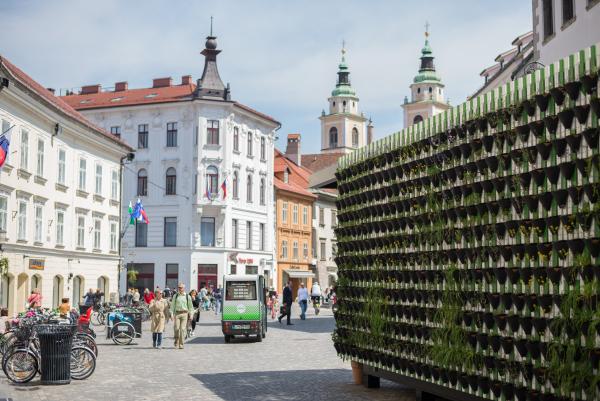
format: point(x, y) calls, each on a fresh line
point(51, 90)
point(162, 82)
point(89, 89)
point(121, 86)
point(370, 132)
point(292, 151)
point(186, 80)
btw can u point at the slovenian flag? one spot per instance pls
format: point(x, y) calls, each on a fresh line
point(224, 188)
point(4, 142)
point(138, 213)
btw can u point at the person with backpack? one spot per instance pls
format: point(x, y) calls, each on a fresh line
point(182, 310)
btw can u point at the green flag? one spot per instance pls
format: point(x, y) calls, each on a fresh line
point(131, 219)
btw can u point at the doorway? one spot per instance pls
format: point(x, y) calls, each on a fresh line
point(57, 290)
point(207, 276)
point(22, 291)
point(78, 291)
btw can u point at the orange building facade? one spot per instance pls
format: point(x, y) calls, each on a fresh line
point(294, 205)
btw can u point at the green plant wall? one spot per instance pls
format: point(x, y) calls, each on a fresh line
point(468, 244)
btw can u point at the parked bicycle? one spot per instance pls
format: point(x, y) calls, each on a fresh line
point(21, 359)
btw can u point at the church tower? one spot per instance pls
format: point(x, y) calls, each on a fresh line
point(427, 90)
point(343, 129)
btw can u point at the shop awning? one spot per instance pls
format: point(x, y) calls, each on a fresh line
point(299, 273)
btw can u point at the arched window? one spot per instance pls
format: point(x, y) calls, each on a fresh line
point(344, 103)
point(262, 191)
point(212, 179)
point(418, 90)
point(236, 139)
point(354, 137)
point(417, 119)
point(171, 181)
point(236, 185)
point(430, 89)
point(142, 183)
point(333, 137)
point(249, 143)
point(263, 149)
point(249, 189)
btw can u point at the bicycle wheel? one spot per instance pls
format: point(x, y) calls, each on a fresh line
point(83, 363)
point(20, 365)
point(95, 319)
point(123, 333)
point(145, 314)
point(85, 341)
point(102, 318)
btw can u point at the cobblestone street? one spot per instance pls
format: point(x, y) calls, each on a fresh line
point(293, 363)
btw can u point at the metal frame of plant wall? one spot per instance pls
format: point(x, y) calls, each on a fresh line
point(468, 244)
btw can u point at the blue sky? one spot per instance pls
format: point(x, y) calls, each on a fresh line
point(280, 57)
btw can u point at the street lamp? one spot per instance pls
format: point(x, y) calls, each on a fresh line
point(128, 158)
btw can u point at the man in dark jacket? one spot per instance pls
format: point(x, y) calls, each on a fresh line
point(287, 303)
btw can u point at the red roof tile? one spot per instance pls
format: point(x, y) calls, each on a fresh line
point(319, 161)
point(53, 101)
point(134, 97)
point(291, 187)
point(130, 97)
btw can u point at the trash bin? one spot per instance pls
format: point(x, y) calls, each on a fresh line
point(55, 349)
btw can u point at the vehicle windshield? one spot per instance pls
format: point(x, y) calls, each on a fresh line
point(240, 291)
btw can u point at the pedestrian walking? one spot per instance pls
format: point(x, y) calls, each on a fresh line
point(218, 299)
point(182, 309)
point(287, 303)
point(88, 298)
point(167, 292)
point(203, 297)
point(129, 296)
point(196, 315)
point(158, 308)
point(35, 299)
point(303, 300)
point(136, 297)
point(148, 296)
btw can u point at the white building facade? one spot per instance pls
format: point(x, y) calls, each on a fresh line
point(59, 198)
point(324, 239)
point(563, 27)
point(190, 140)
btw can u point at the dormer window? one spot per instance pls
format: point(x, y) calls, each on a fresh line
point(286, 176)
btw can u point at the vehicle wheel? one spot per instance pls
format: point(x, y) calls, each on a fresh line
point(227, 339)
point(85, 340)
point(20, 365)
point(83, 363)
point(123, 333)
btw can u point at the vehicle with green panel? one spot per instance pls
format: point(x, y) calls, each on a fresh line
point(244, 307)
